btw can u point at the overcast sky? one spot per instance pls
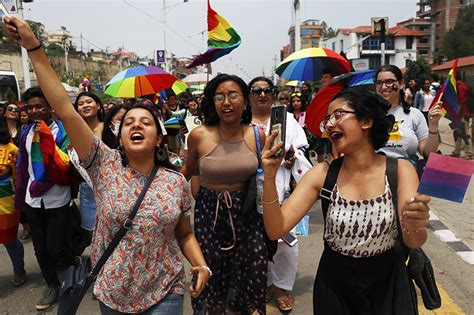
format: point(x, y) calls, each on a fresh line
point(262, 24)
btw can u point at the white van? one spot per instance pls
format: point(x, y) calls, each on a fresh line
point(8, 81)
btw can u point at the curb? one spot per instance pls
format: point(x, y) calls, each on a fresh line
point(445, 235)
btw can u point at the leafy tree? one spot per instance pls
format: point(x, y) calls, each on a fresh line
point(418, 70)
point(459, 41)
point(328, 32)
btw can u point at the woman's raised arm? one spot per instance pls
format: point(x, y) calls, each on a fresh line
point(79, 133)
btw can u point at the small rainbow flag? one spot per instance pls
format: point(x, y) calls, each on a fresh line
point(449, 95)
point(446, 177)
point(221, 38)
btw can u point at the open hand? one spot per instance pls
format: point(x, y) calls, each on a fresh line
point(18, 30)
point(415, 213)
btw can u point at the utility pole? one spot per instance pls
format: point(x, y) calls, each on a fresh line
point(164, 33)
point(274, 67)
point(24, 55)
point(296, 6)
point(382, 41)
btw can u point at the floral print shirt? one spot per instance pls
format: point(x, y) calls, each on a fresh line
point(147, 264)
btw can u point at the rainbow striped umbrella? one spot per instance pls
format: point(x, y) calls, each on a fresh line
point(139, 81)
point(308, 64)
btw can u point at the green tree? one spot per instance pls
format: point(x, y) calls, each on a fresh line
point(418, 70)
point(459, 41)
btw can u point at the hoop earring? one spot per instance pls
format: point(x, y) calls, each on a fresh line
point(161, 154)
point(121, 150)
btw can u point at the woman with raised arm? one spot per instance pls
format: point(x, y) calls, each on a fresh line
point(145, 272)
point(360, 257)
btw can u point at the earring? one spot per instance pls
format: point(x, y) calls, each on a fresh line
point(161, 154)
point(121, 150)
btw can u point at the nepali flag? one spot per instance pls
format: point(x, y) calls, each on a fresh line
point(449, 95)
point(221, 39)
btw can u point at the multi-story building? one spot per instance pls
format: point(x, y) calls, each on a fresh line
point(285, 51)
point(60, 37)
point(442, 15)
point(310, 33)
point(364, 50)
point(423, 42)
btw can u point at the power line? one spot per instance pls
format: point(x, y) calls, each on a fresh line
point(162, 22)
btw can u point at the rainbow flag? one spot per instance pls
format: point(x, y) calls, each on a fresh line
point(446, 177)
point(221, 38)
point(449, 95)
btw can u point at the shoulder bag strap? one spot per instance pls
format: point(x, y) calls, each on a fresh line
point(127, 224)
point(329, 183)
point(391, 171)
point(256, 131)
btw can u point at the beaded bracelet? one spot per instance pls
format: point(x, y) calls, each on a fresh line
point(35, 48)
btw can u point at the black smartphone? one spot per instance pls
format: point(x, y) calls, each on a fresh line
point(278, 122)
point(195, 278)
point(290, 239)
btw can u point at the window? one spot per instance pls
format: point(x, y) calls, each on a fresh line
point(409, 42)
point(333, 46)
point(342, 44)
point(423, 52)
point(373, 43)
point(423, 40)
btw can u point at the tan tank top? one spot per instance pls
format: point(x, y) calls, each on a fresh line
point(230, 162)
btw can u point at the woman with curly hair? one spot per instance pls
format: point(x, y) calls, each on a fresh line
point(356, 273)
point(223, 149)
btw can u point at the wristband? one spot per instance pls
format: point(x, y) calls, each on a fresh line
point(270, 202)
point(35, 48)
point(433, 133)
point(208, 270)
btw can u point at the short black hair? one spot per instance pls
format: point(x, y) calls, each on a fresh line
point(32, 92)
point(372, 106)
point(290, 104)
point(398, 74)
point(100, 113)
point(264, 79)
point(208, 113)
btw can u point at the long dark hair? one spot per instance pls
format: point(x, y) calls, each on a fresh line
point(100, 112)
point(5, 135)
point(164, 163)
point(398, 74)
point(108, 137)
point(303, 103)
point(207, 111)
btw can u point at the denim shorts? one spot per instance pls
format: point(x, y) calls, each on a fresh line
point(87, 206)
point(172, 304)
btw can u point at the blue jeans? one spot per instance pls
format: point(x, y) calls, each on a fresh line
point(172, 304)
point(16, 253)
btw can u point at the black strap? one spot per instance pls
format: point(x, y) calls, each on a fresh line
point(127, 224)
point(329, 183)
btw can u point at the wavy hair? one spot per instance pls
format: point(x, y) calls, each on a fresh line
point(100, 112)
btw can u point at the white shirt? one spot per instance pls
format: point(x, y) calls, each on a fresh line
point(57, 196)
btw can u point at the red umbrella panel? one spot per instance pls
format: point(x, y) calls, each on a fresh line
point(317, 109)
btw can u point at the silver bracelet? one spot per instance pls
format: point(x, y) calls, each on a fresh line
point(208, 270)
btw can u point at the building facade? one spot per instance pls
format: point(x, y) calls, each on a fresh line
point(310, 33)
point(364, 50)
point(442, 15)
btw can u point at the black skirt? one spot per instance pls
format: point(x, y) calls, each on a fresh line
point(371, 285)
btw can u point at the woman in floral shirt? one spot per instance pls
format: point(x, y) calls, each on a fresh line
point(145, 273)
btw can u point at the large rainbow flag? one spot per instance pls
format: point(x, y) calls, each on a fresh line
point(449, 95)
point(221, 38)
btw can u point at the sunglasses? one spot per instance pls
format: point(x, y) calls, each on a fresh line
point(256, 90)
point(296, 94)
point(13, 109)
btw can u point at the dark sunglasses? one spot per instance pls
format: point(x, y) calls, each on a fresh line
point(13, 109)
point(256, 90)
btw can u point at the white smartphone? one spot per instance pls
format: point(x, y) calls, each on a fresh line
point(290, 239)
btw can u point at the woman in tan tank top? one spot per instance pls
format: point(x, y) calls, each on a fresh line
point(223, 149)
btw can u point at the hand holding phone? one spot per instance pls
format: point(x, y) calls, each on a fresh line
point(290, 239)
point(195, 278)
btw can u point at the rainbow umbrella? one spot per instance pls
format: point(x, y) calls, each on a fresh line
point(139, 81)
point(308, 64)
point(173, 123)
point(294, 83)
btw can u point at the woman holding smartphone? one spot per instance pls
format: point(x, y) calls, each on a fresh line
point(359, 263)
point(282, 271)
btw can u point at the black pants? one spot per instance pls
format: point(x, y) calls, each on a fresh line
point(48, 232)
